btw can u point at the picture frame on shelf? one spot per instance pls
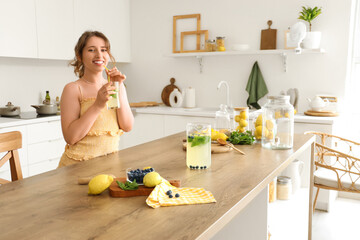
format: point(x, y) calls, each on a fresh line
point(188, 16)
point(199, 47)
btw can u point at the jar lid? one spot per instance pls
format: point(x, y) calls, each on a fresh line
point(220, 37)
point(210, 41)
point(283, 180)
point(241, 108)
point(279, 97)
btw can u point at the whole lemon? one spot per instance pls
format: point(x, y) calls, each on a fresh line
point(269, 135)
point(152, 179)
point(237, 118)
point(243, 115)
point(222, 136)
point(258, 121)
point(99, 183)
point(269, 125)
point(243, 123)
point(214, 135)
point(258, 132)
point(240, 129)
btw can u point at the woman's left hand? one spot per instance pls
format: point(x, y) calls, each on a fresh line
point(115, 75)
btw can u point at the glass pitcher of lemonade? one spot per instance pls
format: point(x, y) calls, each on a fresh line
point(114, 101)
point(198, 149)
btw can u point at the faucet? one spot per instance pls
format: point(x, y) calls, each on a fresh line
point(227, 91)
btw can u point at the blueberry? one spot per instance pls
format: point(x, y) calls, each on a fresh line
point(201, 167)
point(177, 195)
point(191, 167)
point(170, 196)
point(197, 167)
point(169, 192)
point(204, 167)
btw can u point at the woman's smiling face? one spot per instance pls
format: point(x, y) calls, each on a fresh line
point(95, 54)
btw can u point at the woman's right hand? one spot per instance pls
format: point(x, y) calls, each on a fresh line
point(103, 94)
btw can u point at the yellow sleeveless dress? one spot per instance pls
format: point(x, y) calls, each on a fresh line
point(102, 139)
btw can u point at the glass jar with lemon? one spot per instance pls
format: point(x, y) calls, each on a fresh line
point(241, 119)
point(277, 123)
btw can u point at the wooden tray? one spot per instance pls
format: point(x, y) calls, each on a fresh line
point(215, 148)
point(144, 104)
point(116, 191)
point(321, 114)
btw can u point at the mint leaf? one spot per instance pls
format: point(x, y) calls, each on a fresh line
point(128, 185)
point(200, 140)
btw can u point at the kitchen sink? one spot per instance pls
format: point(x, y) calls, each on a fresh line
point(202, 109)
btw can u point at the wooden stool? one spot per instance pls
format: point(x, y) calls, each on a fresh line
point(10, 142)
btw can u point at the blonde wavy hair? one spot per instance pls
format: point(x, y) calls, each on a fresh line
point(80, 45)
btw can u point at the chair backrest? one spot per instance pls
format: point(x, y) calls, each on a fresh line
point(10, 142)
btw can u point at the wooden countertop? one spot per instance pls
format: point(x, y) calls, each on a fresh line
point(53, 206)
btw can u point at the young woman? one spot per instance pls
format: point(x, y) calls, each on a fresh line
point(89, 128)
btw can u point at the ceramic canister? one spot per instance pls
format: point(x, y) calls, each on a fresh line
point(190, 97)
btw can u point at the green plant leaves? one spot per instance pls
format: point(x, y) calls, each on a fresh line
point(309, 14)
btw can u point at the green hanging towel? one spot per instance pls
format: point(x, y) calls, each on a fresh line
point(256, 87)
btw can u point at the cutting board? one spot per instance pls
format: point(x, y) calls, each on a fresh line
point(321, 114)
point(268, 38)
point(165, 94)
point(116, 191)
point(144, 104)
point(215, 148)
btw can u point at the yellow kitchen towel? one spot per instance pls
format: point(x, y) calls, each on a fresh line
point(158, 196)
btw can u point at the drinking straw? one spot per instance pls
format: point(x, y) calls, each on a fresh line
point(108, 77)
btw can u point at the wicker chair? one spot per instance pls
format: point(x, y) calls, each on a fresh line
point(336, 167)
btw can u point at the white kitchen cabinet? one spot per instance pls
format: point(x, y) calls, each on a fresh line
point(45, 146)
point(147, 127)
point(18, 29)
point(55, 29)
point(111, 17)
point(42, 147)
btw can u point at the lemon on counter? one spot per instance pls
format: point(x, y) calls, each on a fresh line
point(222, 136)
point(99, 183)
point(152, 179)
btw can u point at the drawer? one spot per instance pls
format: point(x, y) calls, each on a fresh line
point(39, 152)
point(41, 132)
point(44, 166)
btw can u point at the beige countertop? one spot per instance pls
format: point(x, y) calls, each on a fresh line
point(53, 206)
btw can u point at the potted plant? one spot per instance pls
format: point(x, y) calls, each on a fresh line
point(312, 39)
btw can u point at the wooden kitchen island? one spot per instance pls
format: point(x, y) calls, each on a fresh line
point(53, 206)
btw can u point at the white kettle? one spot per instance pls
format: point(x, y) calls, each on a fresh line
point(317, 104)
point(186, 98)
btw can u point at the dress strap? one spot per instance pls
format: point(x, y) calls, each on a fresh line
point(81, 96)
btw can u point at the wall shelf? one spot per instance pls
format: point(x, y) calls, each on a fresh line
point(281, 52)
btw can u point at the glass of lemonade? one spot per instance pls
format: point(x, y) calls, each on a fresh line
point(198, 149)
point(114, 101)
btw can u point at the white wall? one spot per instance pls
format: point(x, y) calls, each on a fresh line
point(22, 80)
point(241, 22)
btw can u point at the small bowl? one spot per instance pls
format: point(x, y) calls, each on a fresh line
point(240, 47)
